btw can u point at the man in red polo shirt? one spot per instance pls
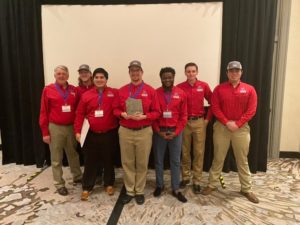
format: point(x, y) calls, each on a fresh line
point(195, 129)
point(168, 131)
point(234, 104)
point(58, 104)
point(138, 108)
point(97, 106)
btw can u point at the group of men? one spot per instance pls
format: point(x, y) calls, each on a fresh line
point(173, 117)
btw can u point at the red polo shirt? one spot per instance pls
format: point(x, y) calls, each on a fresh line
point(174, 102)
point(51, 106)
point(195, 98)
point(81, 89)
point(90, 102)
point(237, 104)
point(150, 103)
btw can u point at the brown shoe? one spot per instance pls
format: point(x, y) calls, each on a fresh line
point(85, 195)
point(208, 190)
point(110, 190)
point(250, 196)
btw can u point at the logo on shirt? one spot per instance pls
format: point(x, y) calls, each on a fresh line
point(176, 95)
point(199, 88)
point(72, 93)
point(110, 94)
point(243, 90)
point(145, 94)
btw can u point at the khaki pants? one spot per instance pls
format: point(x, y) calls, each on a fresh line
point(62, 138)
point(135, 149)
point(240, 141)
point(194, 130)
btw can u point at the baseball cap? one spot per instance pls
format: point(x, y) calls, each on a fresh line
point(234, 65)
point(84, 67)
point(135, 63)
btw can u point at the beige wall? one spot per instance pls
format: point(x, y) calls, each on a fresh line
point(111, 36)
point(290, 127)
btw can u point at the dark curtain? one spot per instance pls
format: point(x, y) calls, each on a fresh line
point(247, 36)
point(21, 81)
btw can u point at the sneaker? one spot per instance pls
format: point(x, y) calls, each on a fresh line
point(140, 199)
point(85, 195)
point(110, 190)
point(208, 190)
point(183, 183)
point(126, 199)
point(196, 189)
point(250, 196)
point(179, 196)
point(157, 191)
point(63, 191)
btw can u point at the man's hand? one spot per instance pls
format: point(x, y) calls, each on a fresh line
point(47, 139)
point(231, 125)
point(138, 117)
point(170, 136)
point(77, 135)
point(125, 115)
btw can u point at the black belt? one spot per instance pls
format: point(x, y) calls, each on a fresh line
point(194, 117)
point(137, 128)
point(167, 129)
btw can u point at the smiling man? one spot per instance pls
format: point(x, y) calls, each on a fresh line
point(138, 108)
point(195, 129)
point(58, 104)
point(234, 104)
point(168, 131)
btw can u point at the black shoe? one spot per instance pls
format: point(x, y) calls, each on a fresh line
point(196, 189)
point(140, 199)
point(183, 183)
point(179, 196)
point(126, 199)
point(63, 191)
point(157, 191)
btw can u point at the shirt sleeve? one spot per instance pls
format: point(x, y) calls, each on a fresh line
point(208, 95)
point(155, 111)
point(216, 107)
point(44, 113)
point(80, 115)
point(182, 120)
point(251, 109)
point(117, 106)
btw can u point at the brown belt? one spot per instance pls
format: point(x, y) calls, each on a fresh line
point(194, 117)
point(137, 128)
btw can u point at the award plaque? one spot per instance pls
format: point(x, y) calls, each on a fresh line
point(134, 106)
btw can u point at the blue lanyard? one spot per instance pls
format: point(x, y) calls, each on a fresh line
point(137, 92)
point(100, 95)
point(64, 96)
point(168, 96)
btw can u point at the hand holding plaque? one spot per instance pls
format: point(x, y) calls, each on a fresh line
point(134, 106)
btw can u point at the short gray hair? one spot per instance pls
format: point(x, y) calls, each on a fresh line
point(62, 67)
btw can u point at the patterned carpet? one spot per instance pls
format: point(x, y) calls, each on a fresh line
point(24, 200)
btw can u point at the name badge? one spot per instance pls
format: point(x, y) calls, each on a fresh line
point(243, 90)
point(167, 114)
point(110, 94)
point(99, 113)
point(66, 108)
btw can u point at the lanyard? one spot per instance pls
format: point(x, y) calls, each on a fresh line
point(100, 95)
point(137, 92)
point(64, 96)
point(167, 96)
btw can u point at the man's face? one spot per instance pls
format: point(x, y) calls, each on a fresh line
point(61, 76)
point(191, 73)
point(167, 79)
point(84, 75)
point(100, 80)
point(136, 73)
point(234, 75)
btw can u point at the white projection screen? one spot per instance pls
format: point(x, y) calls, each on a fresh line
point(110, 36)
